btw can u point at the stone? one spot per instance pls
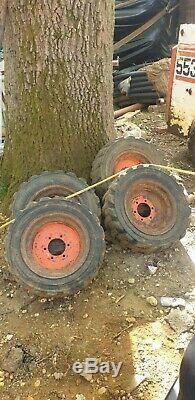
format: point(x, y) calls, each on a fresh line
point(180, 321)
point(13, 360)
point(80, 397)
point(152, 269)
point(102, 391)
point(152, 301)
point(58, 375)
point(9, 337)
point(37, 383)
point(87, 377)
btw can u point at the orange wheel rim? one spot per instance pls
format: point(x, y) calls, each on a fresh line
point(150, 207)
point(56, 246)
point(128, 160)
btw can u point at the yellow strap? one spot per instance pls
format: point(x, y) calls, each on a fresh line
point(7, 224)
point(109, 178)
point(178, 170)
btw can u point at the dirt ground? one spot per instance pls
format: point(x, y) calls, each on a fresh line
point(111, 320)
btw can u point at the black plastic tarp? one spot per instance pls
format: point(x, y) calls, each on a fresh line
point(129, 18)
point(152, 44)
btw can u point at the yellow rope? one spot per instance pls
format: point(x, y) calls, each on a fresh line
point(109, 178)
point(7, 224)
point(178, 170)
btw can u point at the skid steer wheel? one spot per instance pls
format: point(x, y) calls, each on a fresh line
point(146, 209)
point(120, 154)
point(191, 143)
point(51, 184)
point(55, 247)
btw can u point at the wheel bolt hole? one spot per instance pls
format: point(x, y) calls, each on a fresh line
point(144, 210)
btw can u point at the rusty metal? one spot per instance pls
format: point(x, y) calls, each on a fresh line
point(129, 159)
point(150, 207)
point(54, 246)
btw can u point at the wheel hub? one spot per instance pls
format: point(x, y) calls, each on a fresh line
point(56, 246)
point(143, 209)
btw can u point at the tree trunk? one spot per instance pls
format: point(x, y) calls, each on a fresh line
point(58, 84)
point(187, 11)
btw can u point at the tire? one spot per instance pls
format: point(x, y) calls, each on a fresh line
point(146, 209)
point(55, 247)
point(187, 373)
point(119, 154)
point(51, 184)
point(191, 143)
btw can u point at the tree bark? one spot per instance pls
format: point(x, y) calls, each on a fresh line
point(58, 84)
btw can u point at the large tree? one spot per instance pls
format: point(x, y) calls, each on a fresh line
point(58, 85)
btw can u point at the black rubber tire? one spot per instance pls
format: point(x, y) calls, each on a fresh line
point(47, 285)
point(123, 230)
point(51, 184)
point(103, 165)
point(191, 143)
point(187, 373)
